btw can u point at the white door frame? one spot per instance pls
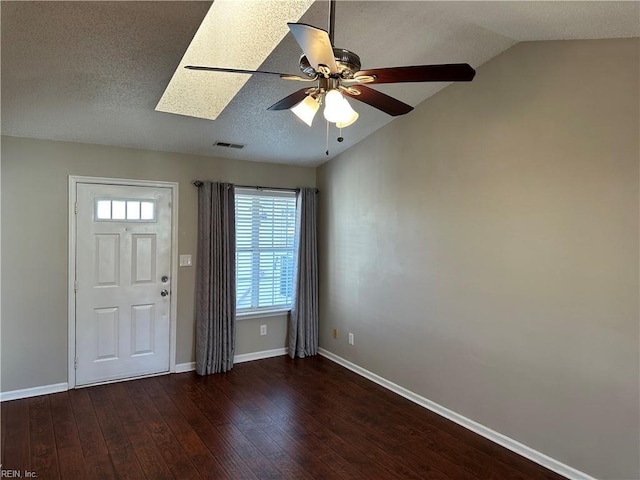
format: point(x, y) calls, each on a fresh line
point(73, 181)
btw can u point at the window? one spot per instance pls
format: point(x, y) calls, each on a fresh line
point(265, 225)
point(125, 210)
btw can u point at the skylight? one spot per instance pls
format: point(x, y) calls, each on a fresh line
point(234, 33)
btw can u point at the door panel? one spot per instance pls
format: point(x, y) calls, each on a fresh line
point(107, 260)
point(106, 333)
point(142, 329)
point(143, 258)
point(123, 249)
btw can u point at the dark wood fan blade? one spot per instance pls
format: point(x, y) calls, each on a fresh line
point(315, 44)
point(453, 72)
point(380, 101)
point(290, 101)
point(286, 76)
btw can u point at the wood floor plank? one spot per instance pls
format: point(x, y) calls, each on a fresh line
point(260, 465)
point(69, 450)
point(235, 452)
point(91, 438)
point(187, 383)
point(148, 455)
point(289, 468)
point(44, 458)
point(151, 418)
point(226, 443)
point(276, 418)
point(208, 385)
point(3, 429)
point(429, 465)
point(121, 452)
point(72, 463)
point(16, 450)
point(330, 429)
point(64, 423)
point(241, 394)
point(345, 468)
point(299, 425)
point(172, 452)
point(114, 434)
point(222, 448)
point(304, 456)
point(193, 445)
point(100, 467)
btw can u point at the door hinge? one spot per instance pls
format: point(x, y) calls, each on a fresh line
point(75, 208)
point(75, 363)
point(75, 285)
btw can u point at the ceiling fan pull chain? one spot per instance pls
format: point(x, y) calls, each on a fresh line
point(327, 151)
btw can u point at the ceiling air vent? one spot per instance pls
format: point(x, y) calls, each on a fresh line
point(228, 145)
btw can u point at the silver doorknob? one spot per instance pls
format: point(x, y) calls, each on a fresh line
point(164, 293)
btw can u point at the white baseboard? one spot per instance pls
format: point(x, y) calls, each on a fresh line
point(248, 357)
point(496, 437)
point(33, 392)
point(185, 367)
point(245, 357)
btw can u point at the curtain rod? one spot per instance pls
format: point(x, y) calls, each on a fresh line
point(198, 183)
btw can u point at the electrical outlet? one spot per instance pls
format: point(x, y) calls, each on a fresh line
point(263, 329)
point(350, 338)
point(335, 333)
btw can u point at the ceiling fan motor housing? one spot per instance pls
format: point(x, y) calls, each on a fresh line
point(348, 64)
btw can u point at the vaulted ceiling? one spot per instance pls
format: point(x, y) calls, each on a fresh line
point(93, 72)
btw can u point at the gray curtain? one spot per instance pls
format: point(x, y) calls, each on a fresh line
point(303, 326)
point(216, 282)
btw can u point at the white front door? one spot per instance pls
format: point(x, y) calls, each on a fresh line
point(123, 265)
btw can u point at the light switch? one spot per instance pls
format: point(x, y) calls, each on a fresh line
point(185, 261)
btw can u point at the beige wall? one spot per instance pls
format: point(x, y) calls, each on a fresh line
point(484, 251)
point(34, 245)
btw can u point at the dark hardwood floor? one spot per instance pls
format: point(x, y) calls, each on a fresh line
point(275, 418)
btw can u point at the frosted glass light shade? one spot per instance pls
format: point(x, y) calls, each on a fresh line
point(347, 115)
point(351, 120)
point(338, 110)
point(333, 106)
point(306, 109)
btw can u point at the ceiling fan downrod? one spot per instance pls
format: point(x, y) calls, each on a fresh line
point(332, 19)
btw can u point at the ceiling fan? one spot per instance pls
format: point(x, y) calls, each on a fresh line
point(335, 73)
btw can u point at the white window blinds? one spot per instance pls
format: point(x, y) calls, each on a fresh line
point(265, 225)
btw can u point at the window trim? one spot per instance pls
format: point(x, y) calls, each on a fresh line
point(251, 313)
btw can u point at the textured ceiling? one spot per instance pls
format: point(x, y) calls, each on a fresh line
point(93, 72)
